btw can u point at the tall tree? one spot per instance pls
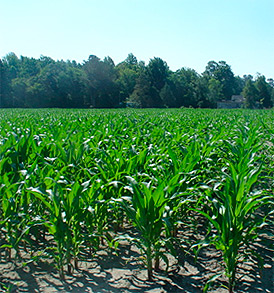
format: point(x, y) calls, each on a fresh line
point(264, 92)
point(5, 88)
point(101, 76)
point(12, 67)
point(13, 63)
point(158, 72)
point(143, 94)
point(131, 60)
point(168, 94)
point(250, 94)
point(215, 92)
point(19, 90)
point(127, 74)
point(222, 72)
point(187, 87)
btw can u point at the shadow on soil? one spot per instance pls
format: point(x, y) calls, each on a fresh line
point(99, 274)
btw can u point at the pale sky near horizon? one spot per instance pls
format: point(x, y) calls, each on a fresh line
point(184, 33)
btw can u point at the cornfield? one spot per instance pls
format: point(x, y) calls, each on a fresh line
point(76, 181)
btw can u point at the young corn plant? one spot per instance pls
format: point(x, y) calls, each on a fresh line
point(231, 206)
point(55, 223)
point(95, 214)
point(13, 221)
point(146, 209)
point(62, 219)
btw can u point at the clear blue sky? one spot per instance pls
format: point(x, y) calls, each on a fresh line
point(184, 33)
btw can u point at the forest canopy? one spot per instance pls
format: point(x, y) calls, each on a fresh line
point(45, 83)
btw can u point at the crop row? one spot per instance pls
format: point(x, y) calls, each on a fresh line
point(71, 179)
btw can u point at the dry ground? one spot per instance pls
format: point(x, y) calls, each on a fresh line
point(124, 272)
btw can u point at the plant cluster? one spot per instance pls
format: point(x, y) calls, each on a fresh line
point(71, 180)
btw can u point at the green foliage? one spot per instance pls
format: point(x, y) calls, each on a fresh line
point(231, 204)
point(46, 83)
point(222, 72)
point(264, 92)
point(72, 180)
point(250, 94)
point(145, 208)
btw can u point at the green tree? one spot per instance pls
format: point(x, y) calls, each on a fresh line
point(247, 77)
point(188, 92)
point(270, 82)
point(167, 94)
point(143, 94)
point(29, 67)
point(2, 72)
point(239, 84)
point(4, 85)
point(222, 72)
point(215, 92)
point(158, 72)
point(13, 64)
point(264, 92)
point(101, 76)
point(42, 89)
point(127, 74)
point(58, 84)
point(250, 94)
point(45, 61)
point(19, 89)
point(131, 60)
point(11, 69)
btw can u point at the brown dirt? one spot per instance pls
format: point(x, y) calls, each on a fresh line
point(124, 272)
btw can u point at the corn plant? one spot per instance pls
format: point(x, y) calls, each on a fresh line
point(15, 220)
point(95, 214)
point(231, 204)
point(12, 221)
point(62, 219)
point(146, 210)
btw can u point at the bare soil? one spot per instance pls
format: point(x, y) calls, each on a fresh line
point(123, 271)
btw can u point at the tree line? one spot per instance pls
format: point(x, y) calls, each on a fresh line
point(95, 83)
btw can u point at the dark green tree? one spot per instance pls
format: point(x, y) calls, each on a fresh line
point(14, 65)
point(131, 60)
point(29, 67)
point(250, 95)
point(158, 72)
point(101, 76)
point(264, 92)
point(59, 84)
point(270, 82)
point(247, 77)
point(19, 90)
point(215, 92)
point(11, 67)
point(239, 84)
point(222, 72)
point(168, 94)
point(143, 95)
point(187, 84)
point(5, 87)
point(127, 74)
